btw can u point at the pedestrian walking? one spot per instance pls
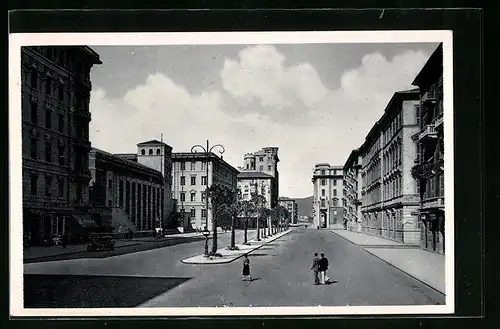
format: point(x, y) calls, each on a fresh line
point(246, 269)
point(323, 267)
point(315, 268)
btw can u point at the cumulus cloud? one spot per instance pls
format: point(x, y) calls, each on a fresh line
point(284, 106)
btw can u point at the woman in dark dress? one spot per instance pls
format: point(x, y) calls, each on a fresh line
point(246, 269)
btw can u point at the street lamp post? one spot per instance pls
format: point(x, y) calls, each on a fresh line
point(207, 150)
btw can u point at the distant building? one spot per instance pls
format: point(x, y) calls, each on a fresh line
point(390, 199)
point(429, 160)
point(55, 86)
point(259, 183)
point(352, 191)
point(126, 194)
point(265, 161)
point(292, 207)
point(328, 211)
point(189, 182)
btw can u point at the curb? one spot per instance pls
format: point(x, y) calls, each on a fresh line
point(410, 275)
point(394, 246)
point(236, 257)
point(392, 265)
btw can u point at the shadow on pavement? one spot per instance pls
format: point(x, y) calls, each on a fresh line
point(85, 291)
point(254, 255)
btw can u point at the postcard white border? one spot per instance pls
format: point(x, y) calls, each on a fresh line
point(16, 41)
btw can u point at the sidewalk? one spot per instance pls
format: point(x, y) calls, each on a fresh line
point(229, 256)
point(36, 252)
point(425, 266)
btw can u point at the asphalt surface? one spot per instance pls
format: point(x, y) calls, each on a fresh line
point(281, 273)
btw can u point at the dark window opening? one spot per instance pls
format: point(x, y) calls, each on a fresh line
point(48, 186)
point(48, 119)
point(34, 79)
point(48, 152)
point(34, 148)
point(61, 155)
point(143, 152)
point(157, 151)
point(150, 151)
point(34, 112)
point(34, 187)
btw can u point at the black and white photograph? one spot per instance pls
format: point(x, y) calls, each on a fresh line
point(231, 173)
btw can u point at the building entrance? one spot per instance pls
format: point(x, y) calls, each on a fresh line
point(322, 216)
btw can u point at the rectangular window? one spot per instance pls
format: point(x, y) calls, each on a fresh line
point(323, 182)
point(183, 165)
point(334, 192)
point(203, 180)
point(61, 187)
point(417, 114)
point(203, 213)
point(60, 119)
point(34, 148)
point(48, 86)
point(34, 185)
point(322, 192)
point(34, 79)
point(193, 213)
point(322, 202)
point(183, 180)
point(110, 203)
point(61, 92)
point(269, 168)
point(204, 166)
point(193, 180)
point(48, 119)
point(322, 172)
point(261, 168)
point(48, 186)
point(48, 152)
point(193, 197)
point(183, 196)
point(61, 156)
point(261, 159)
point(334, 182)
point(441, 185)
point(193, 165)
point(110, 184)
point(34, 112)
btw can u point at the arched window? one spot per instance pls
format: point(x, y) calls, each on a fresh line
point(143, 152)
point(150, 151)
point(157, 151)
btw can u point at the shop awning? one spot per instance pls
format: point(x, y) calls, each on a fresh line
point(84, 221)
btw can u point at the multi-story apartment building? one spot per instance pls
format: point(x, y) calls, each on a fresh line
point(125, 194)
point(390, 199)
point(265, 161)
point(328, 211)
point(292, 207)
point(429, 162)
point(190, 181)
point(55, 139)
point(352, 191)
point(258, 183)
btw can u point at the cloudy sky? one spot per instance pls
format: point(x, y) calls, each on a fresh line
point(316, 102)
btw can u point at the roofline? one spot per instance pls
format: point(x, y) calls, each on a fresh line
point(128, 162)
point(200, 155)
point(432, 58)
point(92, 53)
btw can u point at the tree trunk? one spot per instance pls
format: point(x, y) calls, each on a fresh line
point(258, 229)
point(246, 231)
point(214, 227)
point(233, 233)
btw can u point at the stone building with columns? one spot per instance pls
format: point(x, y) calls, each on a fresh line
point(190, 180)
point(55, 87)
point(126, 194)
point(429, 160)
point(390, 197)
point(352, 191)
point(328, 211)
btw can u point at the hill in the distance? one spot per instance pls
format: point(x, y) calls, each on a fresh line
point(305, 205)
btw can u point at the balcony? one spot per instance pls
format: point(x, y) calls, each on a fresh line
point(428, 133)
point(429, 97)
point(433, 203)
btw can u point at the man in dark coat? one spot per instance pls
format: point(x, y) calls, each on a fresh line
point(323, 267)
point(315, 268)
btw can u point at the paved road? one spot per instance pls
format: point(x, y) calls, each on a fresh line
point(157, 278)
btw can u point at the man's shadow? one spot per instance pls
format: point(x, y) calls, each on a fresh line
point(252, 280)
point(330, 282)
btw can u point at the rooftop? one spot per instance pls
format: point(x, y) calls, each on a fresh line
point(253, 174)
point(126, 162)
point(153, 142)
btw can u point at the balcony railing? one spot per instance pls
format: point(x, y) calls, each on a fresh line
point(429, 132)
point(429, 96)
point(438, 121)
point(433, 203)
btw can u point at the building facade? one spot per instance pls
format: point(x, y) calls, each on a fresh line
point(189, 183)
point(352, 191)
point(292, 207)
point(255, 183)
point(390, 197)
point(429, 161)
point(328, 211)
point(266, 161)
point(55, 86)
point(125, 194)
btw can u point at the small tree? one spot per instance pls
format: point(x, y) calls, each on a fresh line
point(247, 209)
point(220, 197)
point(234, 209)
point(259, 203)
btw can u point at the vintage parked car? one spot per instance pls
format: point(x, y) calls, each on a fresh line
point(100, 243)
